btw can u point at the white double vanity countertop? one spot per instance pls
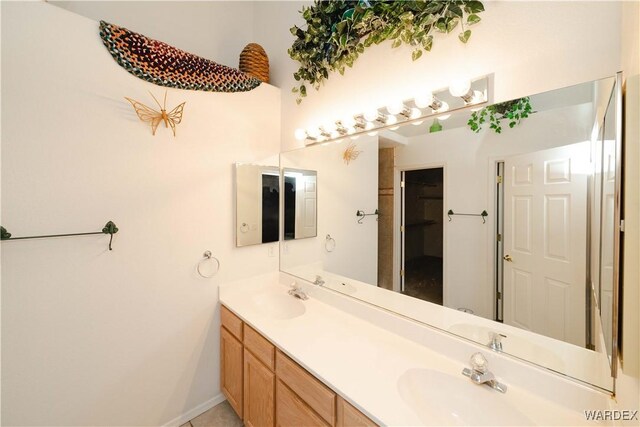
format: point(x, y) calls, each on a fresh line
point(397, 371)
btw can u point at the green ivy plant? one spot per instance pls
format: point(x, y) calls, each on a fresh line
point(513, 111)
point(338, 31)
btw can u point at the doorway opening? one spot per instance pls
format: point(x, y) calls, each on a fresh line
point(270, 207)
point(421, 275)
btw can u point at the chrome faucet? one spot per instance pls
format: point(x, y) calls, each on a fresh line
point(319, 281)
point(496, 341)
point(296, 291)
point(479, 373)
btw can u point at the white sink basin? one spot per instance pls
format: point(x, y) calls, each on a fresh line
point(278, 305)
point(438, 398)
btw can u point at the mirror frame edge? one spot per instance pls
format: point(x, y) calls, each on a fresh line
point(617, 235)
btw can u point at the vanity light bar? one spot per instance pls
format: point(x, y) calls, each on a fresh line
point(400, 112)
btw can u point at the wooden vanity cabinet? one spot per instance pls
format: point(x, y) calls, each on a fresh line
point(348, 416)
point(292, 411)
point(266, 388)
point(231, 369)
point(317, 397)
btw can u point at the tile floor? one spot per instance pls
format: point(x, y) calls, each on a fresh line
point(219, 416)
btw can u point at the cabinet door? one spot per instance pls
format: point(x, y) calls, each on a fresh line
point(348, 416)
point(259, 390)
point(231, 370)
point(291, 411)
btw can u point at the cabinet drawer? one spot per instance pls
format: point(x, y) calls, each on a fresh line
point(293, 412)
point(318, 396)
point(259, 346)
point(348, 416)
point(232, 322)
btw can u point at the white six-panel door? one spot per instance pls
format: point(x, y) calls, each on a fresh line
point(544, 242)
point(306, 195)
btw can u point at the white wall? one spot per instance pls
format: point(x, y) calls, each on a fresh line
point(469, 175)
point(216, 30)
point(342, 190)
point(271, 29)
point(127, 337)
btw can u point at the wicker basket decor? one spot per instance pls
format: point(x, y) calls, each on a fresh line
point(254, 61)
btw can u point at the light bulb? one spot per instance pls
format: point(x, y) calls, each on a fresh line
point(351, 130)
point(371, 126)
point(423, 100)
point(391, 120)
point(395, 107)
point(415, 113)
point(300, 134)
point(313, 132)
point(418, 123)
point(329, 126)
point(459, 87)
point(371, 115)
point(443, 118)
point(354, 137)
point(348, 121)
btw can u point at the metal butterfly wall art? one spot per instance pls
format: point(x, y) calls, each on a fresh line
point(148, 114)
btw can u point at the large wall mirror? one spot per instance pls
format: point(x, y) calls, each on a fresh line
point(506, 239)
point(257, 204)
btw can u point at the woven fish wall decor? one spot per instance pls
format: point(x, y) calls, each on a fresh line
point(165, 65)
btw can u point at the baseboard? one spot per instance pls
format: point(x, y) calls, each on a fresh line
point(191, 414)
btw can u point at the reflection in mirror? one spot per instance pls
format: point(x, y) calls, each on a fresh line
point(257, 204)
point(300, 197)
point(604, 198)
point(493, 237)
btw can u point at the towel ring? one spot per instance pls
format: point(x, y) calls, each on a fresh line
point(207, 256)
point(329, 243)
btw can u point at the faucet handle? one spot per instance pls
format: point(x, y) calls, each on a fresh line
point(496, 341)
point(294, 286)
point(479, 363)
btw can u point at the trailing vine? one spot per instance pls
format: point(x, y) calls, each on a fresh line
point(514, 111)
point(339, 31)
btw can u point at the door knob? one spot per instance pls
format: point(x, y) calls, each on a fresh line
point(508, 258)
